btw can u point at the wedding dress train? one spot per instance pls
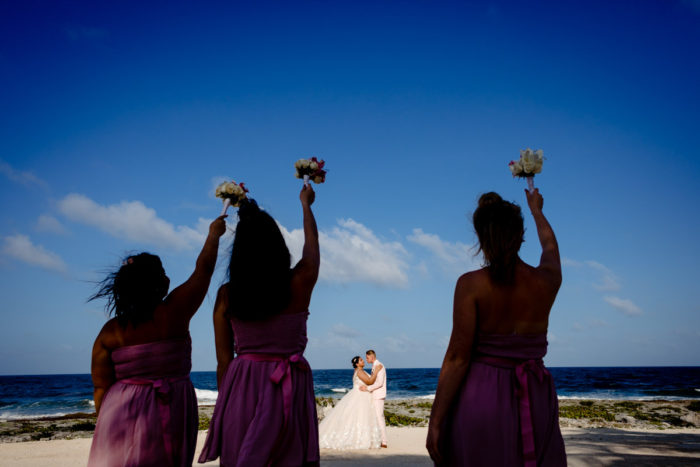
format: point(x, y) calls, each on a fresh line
point(352, 423)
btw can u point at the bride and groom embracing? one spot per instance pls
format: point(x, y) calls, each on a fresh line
point(357, 420)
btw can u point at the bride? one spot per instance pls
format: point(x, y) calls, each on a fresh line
point(352, 423)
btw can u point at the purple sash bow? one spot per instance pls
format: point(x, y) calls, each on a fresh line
point(522, 370)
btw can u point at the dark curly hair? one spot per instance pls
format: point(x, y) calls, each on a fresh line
point(135, 290)
point(259, 273)
point(355, 360)
point(499, 226)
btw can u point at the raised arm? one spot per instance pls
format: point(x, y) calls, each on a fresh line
point(550, 263)
point(185, 299)
point(456, 362)
point(367, 379)
point(223, 334)
point(306, 270)
point(102, 369)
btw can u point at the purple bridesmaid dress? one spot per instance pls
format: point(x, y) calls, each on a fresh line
point(265, 413)
point(506, 413)
point(149, 416)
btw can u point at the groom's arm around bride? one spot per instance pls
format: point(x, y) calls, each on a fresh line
point(378, 391)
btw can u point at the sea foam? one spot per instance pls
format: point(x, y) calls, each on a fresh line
point(206, 396)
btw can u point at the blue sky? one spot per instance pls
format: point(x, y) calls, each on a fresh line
point(118, 121)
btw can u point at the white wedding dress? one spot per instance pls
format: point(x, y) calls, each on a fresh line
point(352, 423)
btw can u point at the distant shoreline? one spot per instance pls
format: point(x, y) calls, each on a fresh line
point(658, 415)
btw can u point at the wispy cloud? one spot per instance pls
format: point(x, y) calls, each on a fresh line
point(452, 257)
point(22, 177)
point(624, 305)
point(132, 220)
point(607, 281)
point(400, 344)
point(47, 223)
point(343, 330)
point(351, 252)
point(339, 336)
point(21, 248)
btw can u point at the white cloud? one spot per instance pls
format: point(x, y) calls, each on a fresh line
point(50, 224)
point(132, 220)
point(343, 330)
point(25, 178)
point(350, 252)
point(453, 257)
point(570, 262)
point(608, 281)
point(339, 337)
point(624, 305)
point(400, 344)
point(21, 248)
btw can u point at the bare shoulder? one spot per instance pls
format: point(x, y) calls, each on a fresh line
point(222, 293)
point(472, 280)
point(221, 304)
point(110, 335)
point(547, 273)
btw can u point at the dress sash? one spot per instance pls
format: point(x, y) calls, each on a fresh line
point(282, 375)
point(522, 368)
point(162, 389)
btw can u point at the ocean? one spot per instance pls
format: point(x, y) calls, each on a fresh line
point(35, 396)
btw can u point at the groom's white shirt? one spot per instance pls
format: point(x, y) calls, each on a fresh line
point(378, 389)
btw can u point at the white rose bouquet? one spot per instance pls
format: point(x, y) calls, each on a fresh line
point(310, 169)
point(231, 193)
point(529, 164)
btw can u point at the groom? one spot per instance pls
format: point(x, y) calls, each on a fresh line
point(378, 390)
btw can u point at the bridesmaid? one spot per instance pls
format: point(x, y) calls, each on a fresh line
point(496, 404)
point(266, 412)
point(145, 402)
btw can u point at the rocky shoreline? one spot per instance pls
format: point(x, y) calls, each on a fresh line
point(620, 414)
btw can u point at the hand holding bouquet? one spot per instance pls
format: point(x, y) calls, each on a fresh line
point(231, 193)
point(310, 169)
point(529, 164)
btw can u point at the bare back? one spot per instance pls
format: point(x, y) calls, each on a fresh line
point(520, 308)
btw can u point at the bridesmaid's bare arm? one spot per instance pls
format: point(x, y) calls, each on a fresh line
point(184, 300)
point(550, 262)
point(457, 358)
point(306, 270)
point(223, 334)
point(102, 368)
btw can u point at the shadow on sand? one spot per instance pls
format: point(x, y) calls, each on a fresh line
point(610, 447)
point(388, 460)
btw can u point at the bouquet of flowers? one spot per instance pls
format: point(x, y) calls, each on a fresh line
point(529, 164)
point(310, 169)
point(231, 193)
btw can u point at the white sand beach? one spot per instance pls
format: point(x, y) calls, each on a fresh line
point(584, 446)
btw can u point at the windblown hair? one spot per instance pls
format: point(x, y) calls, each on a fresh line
point(355, 360)
point(499, 226)
point(135, 290)
point(260, 269)
point(371, 352)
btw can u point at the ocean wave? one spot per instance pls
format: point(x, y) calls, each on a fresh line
point(428, 397)
point(5, 416)
point(206, 396)
point(339, 390)
point(627, 398)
